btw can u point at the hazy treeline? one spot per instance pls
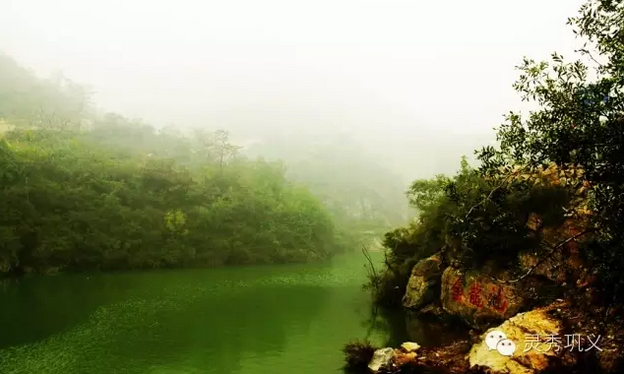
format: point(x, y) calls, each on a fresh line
point(362, 195)
point(81, 190)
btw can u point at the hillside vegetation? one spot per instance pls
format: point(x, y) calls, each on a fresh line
point(556, 178)
point(86, 191)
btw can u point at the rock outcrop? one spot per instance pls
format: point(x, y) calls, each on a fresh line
point(423, 286)
point(475, 297)
point(528, 343)
point(525, 344)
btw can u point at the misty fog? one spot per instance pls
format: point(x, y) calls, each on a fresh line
point(419, 83)
point(279, 186)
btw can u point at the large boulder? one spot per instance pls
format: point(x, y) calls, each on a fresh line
point(423, 286)
point(476, 297)
point(525, 344)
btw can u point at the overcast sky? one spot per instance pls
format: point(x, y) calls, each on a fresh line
point(422, 82)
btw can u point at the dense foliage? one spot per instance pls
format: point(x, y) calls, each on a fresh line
point(474, 221)
point(68, 203)
point(483, 216)
point(83, 191)
point(579, 124)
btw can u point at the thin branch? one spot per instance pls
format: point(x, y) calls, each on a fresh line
point(588, 53)
point(389, 266)
point(370, 261)
point(489, 196)
point(543, 258)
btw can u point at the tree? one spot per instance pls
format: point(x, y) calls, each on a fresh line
point(579, 125)
point(120, 194)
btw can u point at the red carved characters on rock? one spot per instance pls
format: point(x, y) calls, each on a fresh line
point(457, 291)
point(474, 296)
point(498, 301)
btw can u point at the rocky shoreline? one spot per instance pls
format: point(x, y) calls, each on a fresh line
point(527, 249)
point(548, 321)
point(547, 312)
point(557, 338)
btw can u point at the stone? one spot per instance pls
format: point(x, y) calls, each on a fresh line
point(448, 359)
point(530, 333)
point(410, 346)
point(432, 310)
point(564, 263)
point(381, 359)
point(424, 282)
point(474, 296)
point(549, 267)
point(402, 359)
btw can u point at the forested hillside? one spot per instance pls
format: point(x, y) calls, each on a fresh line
point(82, 191)
point(27, 100)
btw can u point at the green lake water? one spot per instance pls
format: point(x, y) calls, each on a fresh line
point(244, 320)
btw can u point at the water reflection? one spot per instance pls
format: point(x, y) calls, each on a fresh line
point(272, 319)
point(36, 307)
point(401, 326)
point(237, 320)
